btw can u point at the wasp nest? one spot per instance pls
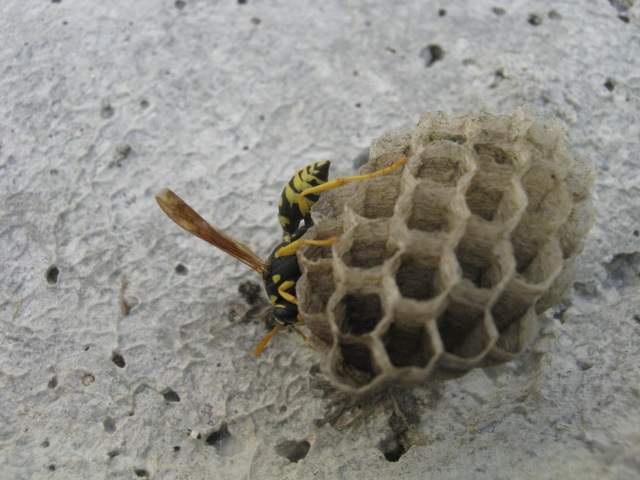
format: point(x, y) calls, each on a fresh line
point(446, 264)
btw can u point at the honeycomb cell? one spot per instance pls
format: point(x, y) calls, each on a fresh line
point(367, 246)
point(353, 364)
point(442, 162)
point(465, 333)
point(358, 313)
point(408, 346)
point(320, 277)
point(498, 155)
point(484, 263)
point(376, 198)
point(430, 209)
point(416, 278)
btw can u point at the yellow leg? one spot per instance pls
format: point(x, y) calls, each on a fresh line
point(266, 339)
point(287, 296)
point(270, 335)
point(304, 337)
point(338, 182)
point(290, 248)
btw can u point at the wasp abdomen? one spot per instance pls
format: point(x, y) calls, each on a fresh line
point(289, 212)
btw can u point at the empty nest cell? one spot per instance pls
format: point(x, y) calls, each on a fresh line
point(376, 197)
point(365, 245)
point(408, 346)
point(430, 208)
point(442, 162)
point(417, 278)
point(484, 263)
point(464, 331)
point(358, 313)
point(320, 279)
point(354, 364)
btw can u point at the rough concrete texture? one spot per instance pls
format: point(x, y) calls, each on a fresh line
point(120, 332)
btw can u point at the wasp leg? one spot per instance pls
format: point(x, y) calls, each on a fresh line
point(291, 248)
point(270, 335)
point(302, 335)
point(338, 182)
point(286, 295)
point(266, 339)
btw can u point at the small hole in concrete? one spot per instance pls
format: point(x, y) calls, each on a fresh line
point(499, 11)
point(293, 450)
point(181, 269)
point(118, 360)
point(171, 396)
point(534, 20)
point(107, 111)
point(392, 449)
point(109, 425)
point(144, 104)
point(442, 12)
point(141, 472)
point(180, 4)
point(52, 275)
point(222, 441)
point(176, 448)
point(431, 54)
point(46, 443)
point(52, 467)
point(609, 85)
point(53, 383)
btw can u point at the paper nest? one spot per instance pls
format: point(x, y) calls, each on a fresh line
point(446, 264)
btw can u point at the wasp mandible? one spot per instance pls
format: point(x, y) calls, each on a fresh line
point(281, 271)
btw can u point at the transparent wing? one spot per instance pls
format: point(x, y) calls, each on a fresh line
point(188, 218)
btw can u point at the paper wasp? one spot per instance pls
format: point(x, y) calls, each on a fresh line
point(281, 271)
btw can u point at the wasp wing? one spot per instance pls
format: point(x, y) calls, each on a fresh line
point(186, 217)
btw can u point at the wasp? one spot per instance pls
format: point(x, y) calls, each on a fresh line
point(280, 271)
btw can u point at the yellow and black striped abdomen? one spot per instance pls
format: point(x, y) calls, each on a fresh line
point(289, 212)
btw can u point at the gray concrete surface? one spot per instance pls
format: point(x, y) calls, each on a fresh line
point(120, 332)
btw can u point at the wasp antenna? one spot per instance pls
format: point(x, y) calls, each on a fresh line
point(266, 339)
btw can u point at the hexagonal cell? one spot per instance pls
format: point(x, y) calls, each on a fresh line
point(514, 338)
point(320, 279)
point(416, 278)
point(430, 208)
point(532, 235)
point(479, 259)
point(367, 245)
point(500, 156)
point(376, 197)
point(353, 364)
point(408, 346)
point(463, 331)
point(358, 313)
point(442, 162)
point(485, 193)
point(516, 298)
point(316, 253)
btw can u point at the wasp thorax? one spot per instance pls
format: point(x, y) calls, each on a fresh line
point(446, 265)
